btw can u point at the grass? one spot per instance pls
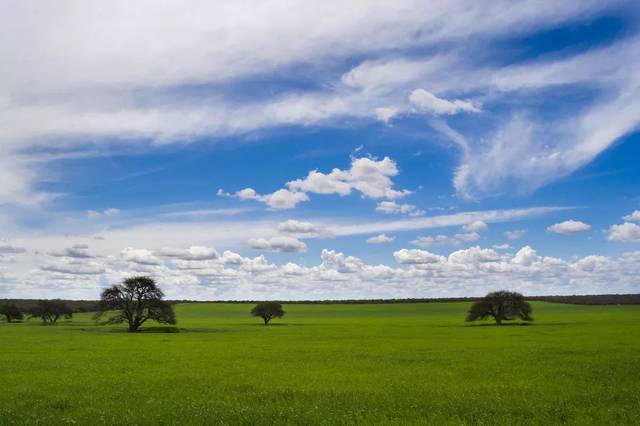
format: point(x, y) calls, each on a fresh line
point(328, 364)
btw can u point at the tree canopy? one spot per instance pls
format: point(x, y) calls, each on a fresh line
point(135, 301)
point(11, 312)
point(50, 311)
point(502, 306)
point(267, 311)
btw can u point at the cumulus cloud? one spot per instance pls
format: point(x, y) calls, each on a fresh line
point(633, 217)
point(569, 227)
point(140, 256)
point(191, 253)
point(420, 273)
point(385, 114)
point(456, 239)
point(515, 234)
point(280, 199)
point(417, 257)
point(476, 226)
point(74, 268)
point(504, 246)
point(428, 102)
point(339, 262)
point(80, 251)
point(371, 177)
point(297, 227)
point(280, 243)
point(391, 207)
point(11, 249)
point(380, 239)
point(473, 256)
point(626, 232)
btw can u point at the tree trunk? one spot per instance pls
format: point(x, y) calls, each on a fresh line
point(266, 320)
point(498, 320)
point(132, 328)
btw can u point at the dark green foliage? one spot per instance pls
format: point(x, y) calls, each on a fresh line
point(267, 311)
point(11, 312)
point(136, 300)
point(502, 306)
point(50, 311)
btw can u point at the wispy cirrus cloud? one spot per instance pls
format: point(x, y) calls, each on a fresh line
point(55, 92)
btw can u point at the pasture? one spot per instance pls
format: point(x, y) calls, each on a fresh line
point(328, 364)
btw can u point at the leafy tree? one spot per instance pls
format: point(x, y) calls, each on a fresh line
point(136, 300)
point(502, 306)
point(11, 312)
point(50, 311)
point(267, 311)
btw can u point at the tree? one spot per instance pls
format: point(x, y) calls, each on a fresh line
point(11, 312)
point(267, 311)
point(136, 300)
point(502, 306)
point(50, 311)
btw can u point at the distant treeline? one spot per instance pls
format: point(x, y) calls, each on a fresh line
point(27, 305)
point(597, 299)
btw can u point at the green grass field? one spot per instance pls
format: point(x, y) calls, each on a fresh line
point(328, 364)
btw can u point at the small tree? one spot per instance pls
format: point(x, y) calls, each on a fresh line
point(502, 306)
point(11, 312)
point(50, 311)
point(136, 300)
point(267, 311)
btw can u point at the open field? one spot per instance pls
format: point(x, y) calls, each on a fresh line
point(328, 364)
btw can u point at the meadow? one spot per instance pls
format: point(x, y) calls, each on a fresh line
point(391, 364)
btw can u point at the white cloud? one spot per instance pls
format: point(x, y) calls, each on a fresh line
point(94, 90)
point(633, 217)
point(445, 239)
point(391, 207)
point(569, 227)
point(297, 227)
point(369, 176)
point(74, 268)
point(501, 246)
point(427, 101)
point(107, 212)
point(231, 258)
point(626, 232)
point(380, 239)
point(336, 261)
point(192, 253)
point(515, 234)
point(473, 271)
point(140, 256)
point(385, 114)
point(473, 256)
point(372, 178)
point(11, 249)
point(79, 251)
point(280, 243)
point(417, 257)
point(280, 199)
point(477, 226)
point(525, 256)
point(457, 219)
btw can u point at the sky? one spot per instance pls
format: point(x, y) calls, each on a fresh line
point(319, 150)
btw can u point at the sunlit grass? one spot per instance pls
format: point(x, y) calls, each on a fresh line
point(328, 364)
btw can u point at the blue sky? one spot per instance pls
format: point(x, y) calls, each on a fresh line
point(249, 151)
